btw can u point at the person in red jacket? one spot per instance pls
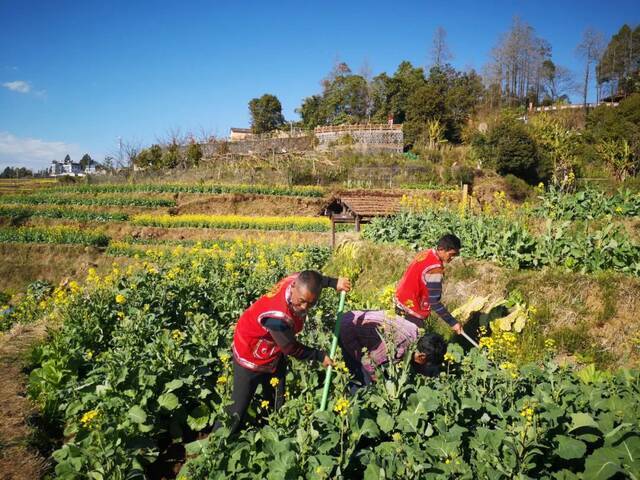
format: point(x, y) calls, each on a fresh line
point(265, 335)
point(419, 291)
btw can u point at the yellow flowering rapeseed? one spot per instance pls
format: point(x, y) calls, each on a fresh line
point(89, 417)
point(235, 222)
point(342, 406)
point(550, 345)
point(448, 357)
point(60, 296)
point(222, 380)
point(511, 369)
point(528, 411)
point(178, 336)
point(120, 298)
point(341, 367)
point(73, 287)
point(264, 404)
point(274, 382)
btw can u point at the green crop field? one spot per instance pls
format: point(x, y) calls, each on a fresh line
point(140, 360)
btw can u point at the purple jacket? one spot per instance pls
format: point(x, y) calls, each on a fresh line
point(365, 334)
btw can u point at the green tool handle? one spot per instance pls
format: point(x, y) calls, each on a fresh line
point(334, 346)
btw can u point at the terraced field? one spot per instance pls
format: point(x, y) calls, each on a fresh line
point(140, 287)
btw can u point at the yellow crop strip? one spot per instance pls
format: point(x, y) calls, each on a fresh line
point(305, 224)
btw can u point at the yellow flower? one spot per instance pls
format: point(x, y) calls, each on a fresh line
point(264, 404)
point(177, 335)
point(88, 355)
point(448, 357)
point(221, 380)
point(88, 417)
point(341, 367)
point(511, 368)
point(274, 382)
point(74, 287)
point(120, 298)
point(342, 406)
point(224, 357)
point(396, 437)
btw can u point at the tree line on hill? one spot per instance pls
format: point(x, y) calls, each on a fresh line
point(521, 72)
point(435, 105)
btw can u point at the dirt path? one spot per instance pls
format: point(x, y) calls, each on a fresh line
point(17, 460)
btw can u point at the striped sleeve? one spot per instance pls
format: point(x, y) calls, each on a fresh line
point(433, 280)
point(284, 337)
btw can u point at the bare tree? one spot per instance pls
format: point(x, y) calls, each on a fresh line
point(440, 53)
point(205, 135)
point(557, 81)
point(590, 49)
point(517, 62)
point(130, 149)
point(173, 136)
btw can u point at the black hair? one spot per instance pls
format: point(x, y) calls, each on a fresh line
point(311, 280)
point(449, 242)
point(434, 347)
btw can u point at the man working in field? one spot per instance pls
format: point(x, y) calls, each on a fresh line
point(419, 290)
point(369, 338)
point(265, 335)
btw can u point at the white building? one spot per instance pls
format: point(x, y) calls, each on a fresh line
point(68, 167)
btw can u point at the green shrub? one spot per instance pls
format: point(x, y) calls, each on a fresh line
point(514, 151)
point(517, 188)
point(508, 242)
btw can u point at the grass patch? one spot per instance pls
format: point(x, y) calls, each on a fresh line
point(462, 270)
point(609, 296)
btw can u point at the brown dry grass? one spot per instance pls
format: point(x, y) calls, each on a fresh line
point(600, 311)
point(21, 264)
point(18, 461)
point(248, 204)
point(601, 307)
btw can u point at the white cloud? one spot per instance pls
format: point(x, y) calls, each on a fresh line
point(33, 153)
point(19, 86)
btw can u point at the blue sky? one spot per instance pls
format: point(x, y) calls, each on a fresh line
point(76, 76)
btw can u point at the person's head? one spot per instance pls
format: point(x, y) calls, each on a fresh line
point(448, 247)
point(305, 291)
point(429, 354)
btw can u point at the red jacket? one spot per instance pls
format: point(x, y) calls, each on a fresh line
point(253, 345)
point(412, 294)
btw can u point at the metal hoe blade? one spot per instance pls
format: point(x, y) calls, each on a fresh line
point(471, 340)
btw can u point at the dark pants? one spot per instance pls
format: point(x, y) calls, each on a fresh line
point(245, 383)
point(360, 377)
point(415, 320)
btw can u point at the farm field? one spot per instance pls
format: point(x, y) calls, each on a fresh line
point(129, 295)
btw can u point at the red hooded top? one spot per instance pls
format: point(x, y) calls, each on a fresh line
point(412, 294)
point(253, 346)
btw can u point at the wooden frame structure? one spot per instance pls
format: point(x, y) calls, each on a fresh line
point(358, 210)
